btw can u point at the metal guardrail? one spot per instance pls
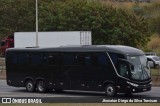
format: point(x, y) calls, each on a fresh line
point(2, 68)
point(2, 64)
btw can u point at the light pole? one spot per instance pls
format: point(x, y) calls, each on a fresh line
point(37, 24)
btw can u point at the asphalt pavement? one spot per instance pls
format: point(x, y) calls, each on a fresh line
point(70, 95)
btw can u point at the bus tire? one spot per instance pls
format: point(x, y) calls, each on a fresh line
point(30, 87)
point(110, 90)
point(41, 86)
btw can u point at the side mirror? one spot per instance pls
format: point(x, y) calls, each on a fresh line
point(151, 64)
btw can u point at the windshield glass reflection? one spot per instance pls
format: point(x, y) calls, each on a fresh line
point(141, 69)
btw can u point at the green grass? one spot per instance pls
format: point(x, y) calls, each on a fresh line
point(155, 72)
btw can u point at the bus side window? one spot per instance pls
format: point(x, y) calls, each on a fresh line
point(103, 60)
point(123, 70)
point(12, 58)
point(53, 59)
point(36, 59)
point(68, 59)
point(23, 58)
point(88, 59)
point(83, 59)
point(114, 57)
point(80, 60)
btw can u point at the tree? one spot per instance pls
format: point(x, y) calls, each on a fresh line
point(109, 25)
point(16, 15)
point(150, 12)
point(154, 43)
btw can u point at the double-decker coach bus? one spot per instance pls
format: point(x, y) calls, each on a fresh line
point(109, 68)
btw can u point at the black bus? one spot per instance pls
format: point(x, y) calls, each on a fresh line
point(109, 68)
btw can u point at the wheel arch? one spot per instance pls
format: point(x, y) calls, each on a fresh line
point(110, 88)
point(27, 79)
point(39, 79)
point(108, 82)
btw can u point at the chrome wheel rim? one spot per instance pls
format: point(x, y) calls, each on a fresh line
point(110, 90)
point(40, 86)
point(29, 86)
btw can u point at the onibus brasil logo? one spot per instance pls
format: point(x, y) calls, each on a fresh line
point(20, 100)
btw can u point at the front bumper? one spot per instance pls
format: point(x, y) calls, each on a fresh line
point(132, 89)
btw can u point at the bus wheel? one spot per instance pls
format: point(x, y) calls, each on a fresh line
point(110, 90)
point(30, 87)
point(41, 86)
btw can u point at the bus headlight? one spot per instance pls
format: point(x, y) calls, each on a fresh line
point(133, 84)
point(150, 83)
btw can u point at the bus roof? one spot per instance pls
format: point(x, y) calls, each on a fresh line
point(127, 50)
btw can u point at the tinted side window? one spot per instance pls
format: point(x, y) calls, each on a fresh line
point(103, 59)
point(23, 58)
point(83, 59)
point(123, 69)
point(12, 58)
point(80, 59)
point(86, 59)
point(68, 59)
point(52, 58)
point(36, 58)
point(93, 58)
point(115, 57)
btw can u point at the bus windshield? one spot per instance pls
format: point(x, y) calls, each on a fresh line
point(141, 69)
